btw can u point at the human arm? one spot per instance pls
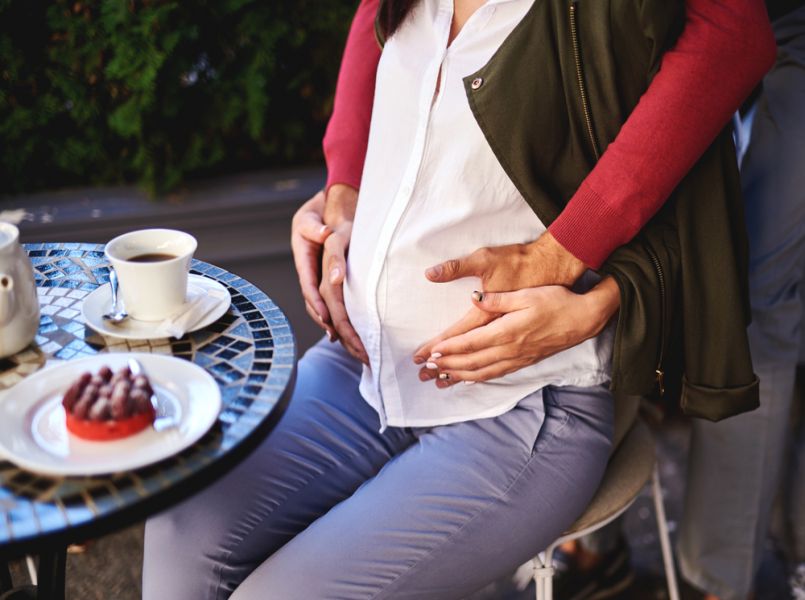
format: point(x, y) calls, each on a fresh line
point(344, 147)
point(686, 104)
point(723, 51)
point(348, 129)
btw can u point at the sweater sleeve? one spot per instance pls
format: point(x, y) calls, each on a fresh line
point(724, 50)
point(348, 130)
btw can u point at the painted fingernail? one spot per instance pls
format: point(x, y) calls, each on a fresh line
point(478, 296)
point(431, 365)
point(335, 274)
point(444, 376)
point(330, 335)
point(434, 272)
point(418, 360)
point(468, 382)
point(435, 355)
point(323, 229)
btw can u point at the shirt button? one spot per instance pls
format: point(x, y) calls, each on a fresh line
point(476, 83)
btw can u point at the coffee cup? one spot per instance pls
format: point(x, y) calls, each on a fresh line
point(152, 267)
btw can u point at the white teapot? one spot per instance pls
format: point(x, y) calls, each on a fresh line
point(19, 306)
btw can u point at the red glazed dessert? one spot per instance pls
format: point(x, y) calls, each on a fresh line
point(108, 406)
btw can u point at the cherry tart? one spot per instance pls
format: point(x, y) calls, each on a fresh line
point(108, 405)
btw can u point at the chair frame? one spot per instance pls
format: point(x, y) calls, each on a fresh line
point(544, 571)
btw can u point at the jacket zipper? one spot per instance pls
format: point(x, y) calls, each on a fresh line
point(585, 105)
point(661, 279)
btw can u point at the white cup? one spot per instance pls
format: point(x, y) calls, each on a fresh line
point(152, 291)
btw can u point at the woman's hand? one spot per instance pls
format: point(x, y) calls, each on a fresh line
point(529, 325)
point(320, 236)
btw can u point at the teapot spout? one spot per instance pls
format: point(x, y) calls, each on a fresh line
point(7, 302)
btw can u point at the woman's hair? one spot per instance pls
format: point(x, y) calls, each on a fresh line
point(392, 14)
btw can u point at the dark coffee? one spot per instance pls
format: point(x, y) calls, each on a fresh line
point(151, 257)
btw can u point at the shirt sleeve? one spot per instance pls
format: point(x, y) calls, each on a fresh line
point(348, 129)
point(724, 50)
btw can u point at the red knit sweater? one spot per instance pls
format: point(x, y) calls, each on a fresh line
point(724, 50)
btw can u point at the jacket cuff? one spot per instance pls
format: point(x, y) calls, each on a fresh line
point(715, 404)
point(589, 228)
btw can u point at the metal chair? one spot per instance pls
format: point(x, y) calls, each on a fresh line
point(630, 468)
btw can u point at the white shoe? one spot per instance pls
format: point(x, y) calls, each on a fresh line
point(796, 581)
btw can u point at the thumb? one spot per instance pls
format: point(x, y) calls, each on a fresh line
point(502, 302)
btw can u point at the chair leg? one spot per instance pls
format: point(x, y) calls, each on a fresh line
point(665, 539)
point(543, 574)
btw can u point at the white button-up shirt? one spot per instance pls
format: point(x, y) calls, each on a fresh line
point(432, 190)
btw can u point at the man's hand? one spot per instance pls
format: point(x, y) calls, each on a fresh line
point(504, 269)
point(320, 236)
point(514, 267)
point(533, 324)
point(308, 233)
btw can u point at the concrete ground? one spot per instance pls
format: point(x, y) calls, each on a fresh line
point(110, 568)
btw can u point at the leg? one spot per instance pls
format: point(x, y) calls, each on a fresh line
point(463, 506)
point(796, 492)
point(325, 447)
point(722, 535)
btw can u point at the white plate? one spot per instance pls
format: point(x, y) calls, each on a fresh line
point(34, 436)
point(99, 301)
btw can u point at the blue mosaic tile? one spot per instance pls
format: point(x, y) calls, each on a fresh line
point(65, 354)
point(93, 262)
point(243, 362)
point(72, 270)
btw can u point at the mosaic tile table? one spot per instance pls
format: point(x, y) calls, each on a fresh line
point(250, 352)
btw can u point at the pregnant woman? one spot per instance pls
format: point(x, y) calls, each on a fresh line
point(415, 475)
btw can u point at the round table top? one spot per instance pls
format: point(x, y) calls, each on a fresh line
point(250, 352)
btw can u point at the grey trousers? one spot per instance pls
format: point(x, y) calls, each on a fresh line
point(736, 465)
point(329, 508)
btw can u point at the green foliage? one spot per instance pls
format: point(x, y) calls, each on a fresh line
point(157, 91)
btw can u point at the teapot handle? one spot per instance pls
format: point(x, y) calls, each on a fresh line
point(7, 302)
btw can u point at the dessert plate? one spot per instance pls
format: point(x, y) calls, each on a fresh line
point(33, 434)
point(100, 300)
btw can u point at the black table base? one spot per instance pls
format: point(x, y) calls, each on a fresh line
point(50, 574)
point(5, 577)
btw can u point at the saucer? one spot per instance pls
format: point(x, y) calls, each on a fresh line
point(99, 301)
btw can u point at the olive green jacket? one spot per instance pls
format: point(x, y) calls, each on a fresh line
point(549, 102)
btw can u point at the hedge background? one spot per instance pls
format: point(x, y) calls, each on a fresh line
point(160, 91)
